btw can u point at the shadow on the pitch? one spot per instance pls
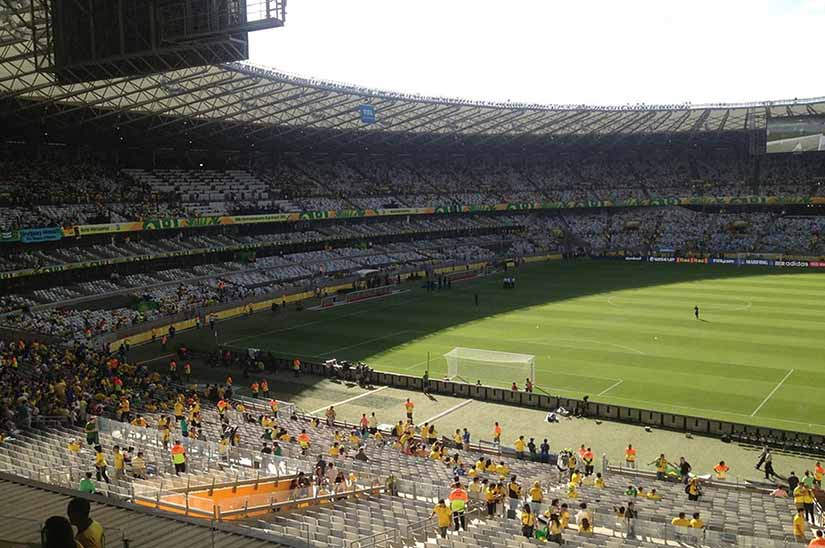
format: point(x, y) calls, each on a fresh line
point(363, 331)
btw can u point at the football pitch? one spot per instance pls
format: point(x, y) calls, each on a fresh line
point(622, 333)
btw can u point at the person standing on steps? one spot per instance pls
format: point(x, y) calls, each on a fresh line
point(179, 458)
point(762, 456)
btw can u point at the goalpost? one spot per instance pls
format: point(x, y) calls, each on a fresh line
point(490, 366)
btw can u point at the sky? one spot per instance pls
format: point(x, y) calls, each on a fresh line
point(557, 51)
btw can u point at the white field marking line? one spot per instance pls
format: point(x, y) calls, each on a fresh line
point(314, 322)
point(156, 359)
point(368, 299)
point(342, 402)
point(447, 411)
point(723, 308)
point(609, 388)
point(544, 342)
point(413, 366)
point(775, 388)
point(333, 351)
point(647, 403)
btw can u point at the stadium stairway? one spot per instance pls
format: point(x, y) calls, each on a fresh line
point(25, 505)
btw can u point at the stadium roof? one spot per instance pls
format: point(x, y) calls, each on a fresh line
point(259, 105)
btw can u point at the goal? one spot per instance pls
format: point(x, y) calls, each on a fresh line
point(490, 366)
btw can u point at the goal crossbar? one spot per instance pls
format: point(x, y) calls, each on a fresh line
point(489, 366)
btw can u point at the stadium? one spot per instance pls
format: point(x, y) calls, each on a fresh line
point(242, 307)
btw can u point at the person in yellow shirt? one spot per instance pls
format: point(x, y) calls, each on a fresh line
point(661, 466)
point(475, 488)
point(445, 517)
point(528, 521)
point(100, 464)
point(120, 464)
point(74, 446)
point(89, 532)
point(520, 445)
point(536, 494)
point(139, 466)
point(577, 478)
point(653, 495)
point(696, 522)
point(799, 525)
point(804, 498)
point(178, 409)
point(490, 498)
point(599, 482)
point(223, 447)
point(680, 521)
point(457, 438)
point(334, 451)
point(501, 469)
point(564, 516)
point(554, 529)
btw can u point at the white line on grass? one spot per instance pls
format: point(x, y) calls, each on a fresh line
point(548, 341)
point(390, 335)
point(664, 405)
point(359, 396)
point(775, 388)
point(448, 411)
point(323, 320)
point(609, 388)
point(156, 359)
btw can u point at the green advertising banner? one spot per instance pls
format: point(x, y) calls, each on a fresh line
point(198, 222)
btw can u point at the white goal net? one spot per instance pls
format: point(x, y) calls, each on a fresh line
point(490, 366)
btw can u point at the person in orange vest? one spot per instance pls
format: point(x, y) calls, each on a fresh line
point(721, 470)
point(588, 458)
point(409, 406)
point(254, 388)
point(264, 388)
point(187, 371)
point(273, 406)
point(296, 367)
point(304, 442)
point(458, 505)
point(497, 433)
point(222, 406)
point(173, 368)
point(630, 456)
point(179, 458)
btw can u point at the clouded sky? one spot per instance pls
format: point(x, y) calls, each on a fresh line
point(558, 51)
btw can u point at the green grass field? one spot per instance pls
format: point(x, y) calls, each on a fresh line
point(624, 333)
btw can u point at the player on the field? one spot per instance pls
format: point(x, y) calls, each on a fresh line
point(696, 311)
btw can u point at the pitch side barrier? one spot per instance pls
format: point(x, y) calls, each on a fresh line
point(632, 415)
point(779, 263)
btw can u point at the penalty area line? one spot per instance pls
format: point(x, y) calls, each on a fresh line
point(447, 411)
point(775, 388)
point(611, 387)
point(342, 402)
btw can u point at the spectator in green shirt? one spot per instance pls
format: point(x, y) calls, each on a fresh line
point(87, 485)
